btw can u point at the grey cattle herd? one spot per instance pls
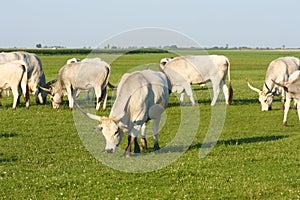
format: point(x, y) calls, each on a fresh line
point(141, 95)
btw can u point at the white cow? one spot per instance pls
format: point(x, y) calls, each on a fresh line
point(35, 74)
point(141, 95)
point(96, 60)
point(292, 89)
point(13, 75)
point(186, 70)
point(278, 70)
point(80, 76)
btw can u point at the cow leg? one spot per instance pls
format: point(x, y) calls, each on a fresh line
point(104, 93)
point(225, 91)
point(216, 90)
point(189, 92)
point(143, 139)
point(298, 108)
point(181, 98)
point(128, 148)
point(155, 133)
point(70, 96)
point(98, 93)
point(25, 92)
point(283, 98)
point(16, 96)
point(295, 105)
point(132, 139)
point(286, 110)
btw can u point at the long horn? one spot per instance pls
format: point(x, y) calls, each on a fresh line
point(45, 89)
point(92, 116)
point(51, 82)
point(253, 88)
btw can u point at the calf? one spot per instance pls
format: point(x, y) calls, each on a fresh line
point(13, 75)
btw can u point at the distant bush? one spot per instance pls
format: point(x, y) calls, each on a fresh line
point(87, 51)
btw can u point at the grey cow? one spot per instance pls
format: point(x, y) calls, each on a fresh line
point(80, 76)
point(278, 70)
point(141, 95)
point(186, 70)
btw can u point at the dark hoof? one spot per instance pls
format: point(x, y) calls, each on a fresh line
point(126, 154)
point(284, 124)
point(137, 149)
point(156, 147)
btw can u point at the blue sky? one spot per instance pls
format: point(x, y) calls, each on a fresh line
point(74, 23)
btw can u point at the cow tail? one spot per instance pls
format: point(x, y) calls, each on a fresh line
point(106, 82)
point(230, 98)
point(24, 84)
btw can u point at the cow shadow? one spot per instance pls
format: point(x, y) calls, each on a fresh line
point(8, 135)
point(4, 159)
point(239, 141)
point(7, 159)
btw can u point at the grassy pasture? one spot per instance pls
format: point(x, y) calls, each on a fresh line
point(42, 156)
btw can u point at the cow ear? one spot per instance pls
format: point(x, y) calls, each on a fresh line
point(98, 128)
point(123, 127)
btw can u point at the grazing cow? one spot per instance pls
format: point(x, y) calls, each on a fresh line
point(13, 75)
point(279, 70)
point(80, 76)
point(292, 89)
point(96, 60)
point(186, 70)
point(141, 95)
point(35, 74)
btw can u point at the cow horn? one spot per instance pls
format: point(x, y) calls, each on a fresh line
point(45, 89)
point(92, 116)
point(51, 82)
point(253, 88)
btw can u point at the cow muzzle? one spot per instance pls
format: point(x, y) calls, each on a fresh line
point(110, 150)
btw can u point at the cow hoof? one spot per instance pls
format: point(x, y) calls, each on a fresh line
point(126, 154)
point(103, 110)
point(156, 147)
point(70, 108)
point(284, 124)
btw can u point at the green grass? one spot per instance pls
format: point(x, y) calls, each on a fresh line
point(42, 155)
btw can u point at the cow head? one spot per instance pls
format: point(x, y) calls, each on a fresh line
point(56, 93)
point(265, 97)
point(163, 62)
point(111, 132)
point(109, 128)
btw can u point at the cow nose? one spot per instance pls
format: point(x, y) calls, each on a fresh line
point(109, 150)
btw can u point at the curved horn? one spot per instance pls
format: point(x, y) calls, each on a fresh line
point(51, 82)
point(253, 88)
point(92, 116)
point(45, 89)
